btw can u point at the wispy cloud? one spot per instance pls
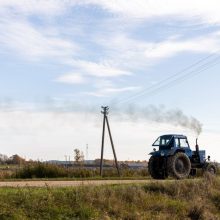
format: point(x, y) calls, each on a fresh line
point(99, 69)
point(138, 54)
point(105, 92)
point(169, 48)
point(29, 7)
point(71, 78)
point(203, 11)
point(98, 55)
point(33, 43)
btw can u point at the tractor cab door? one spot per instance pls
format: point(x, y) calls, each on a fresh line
point(182, 143)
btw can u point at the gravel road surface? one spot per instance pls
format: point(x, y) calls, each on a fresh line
point(66, 183)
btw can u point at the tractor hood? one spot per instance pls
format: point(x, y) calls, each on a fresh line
point(162, 153)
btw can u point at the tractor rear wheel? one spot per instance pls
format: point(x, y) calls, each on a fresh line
point(179, 166)
point(154, 168)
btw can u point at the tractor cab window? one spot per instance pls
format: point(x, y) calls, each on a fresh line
point(184, 142)
point(163, 141)
point(177, 142)
point(181, 142)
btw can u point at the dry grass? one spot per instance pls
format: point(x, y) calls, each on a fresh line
point(42, 170)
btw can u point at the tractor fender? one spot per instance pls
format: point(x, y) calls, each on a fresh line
point(155, 153)
point(174, 151)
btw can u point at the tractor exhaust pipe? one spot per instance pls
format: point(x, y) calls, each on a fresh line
point(197, 146)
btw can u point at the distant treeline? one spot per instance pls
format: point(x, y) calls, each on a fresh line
point(14, 159)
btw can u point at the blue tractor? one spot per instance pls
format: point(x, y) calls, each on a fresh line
point(174, 158)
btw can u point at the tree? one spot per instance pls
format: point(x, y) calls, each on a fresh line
point(16, 159)
point(3, 158)
point(78, 156)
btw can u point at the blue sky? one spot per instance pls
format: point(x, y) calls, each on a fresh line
point(57, 55)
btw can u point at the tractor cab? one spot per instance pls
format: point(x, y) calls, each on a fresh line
point(170, 144)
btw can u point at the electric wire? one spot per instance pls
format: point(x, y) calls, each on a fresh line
point(174, 78)
point(179, 80)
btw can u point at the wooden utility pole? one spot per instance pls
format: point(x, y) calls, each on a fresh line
point(105, 121)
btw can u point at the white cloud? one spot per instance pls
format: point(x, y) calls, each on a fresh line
point(136, 55)
point(168, 48)
point(71, 78)
point(29, 7)
point(104, 92)
point(32, 43)
point(205, 11)
point(27, 39)
point(123, 55)
point(36, 43)
point(123, 89)
point(98, 69)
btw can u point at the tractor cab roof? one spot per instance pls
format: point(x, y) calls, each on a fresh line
point(167, 140)
point(175, 135)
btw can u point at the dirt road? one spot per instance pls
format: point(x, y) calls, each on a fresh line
point(67, 183)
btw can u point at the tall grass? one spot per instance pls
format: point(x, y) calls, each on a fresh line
point(41, 170)
point(188, 199)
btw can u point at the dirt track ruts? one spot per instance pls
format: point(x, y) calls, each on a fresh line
point(50, 183)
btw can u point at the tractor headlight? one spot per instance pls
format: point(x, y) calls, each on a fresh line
point(162, 154)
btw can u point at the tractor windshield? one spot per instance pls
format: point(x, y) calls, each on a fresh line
point(163, 141)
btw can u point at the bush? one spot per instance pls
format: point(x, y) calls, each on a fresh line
point(40, 170)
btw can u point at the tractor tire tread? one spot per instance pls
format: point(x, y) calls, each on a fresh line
point(171, 170)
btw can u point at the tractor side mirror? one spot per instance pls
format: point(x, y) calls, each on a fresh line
point(208, 158)
point(154, 149)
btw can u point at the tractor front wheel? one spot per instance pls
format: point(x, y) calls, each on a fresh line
point(179, 166)
point(210, 168)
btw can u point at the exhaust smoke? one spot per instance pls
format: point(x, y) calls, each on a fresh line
point(132, 112)
point(159, 115)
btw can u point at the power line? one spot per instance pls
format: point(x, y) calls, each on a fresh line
point(172, 83)
point(167, 79)
point(181, 79)
point(173, 78)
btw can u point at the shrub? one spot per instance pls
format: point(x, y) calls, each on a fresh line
point(40, 170)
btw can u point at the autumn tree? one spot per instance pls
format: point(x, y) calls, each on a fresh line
point(16, 159)
point(3, 158)
point(78, 156)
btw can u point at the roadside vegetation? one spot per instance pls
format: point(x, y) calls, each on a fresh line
point(185, 199)
point(36, 170)
point(16, 167)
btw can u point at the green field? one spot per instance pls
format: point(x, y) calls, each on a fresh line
point(187, 199)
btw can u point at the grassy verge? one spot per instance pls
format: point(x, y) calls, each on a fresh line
point(188, 199)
